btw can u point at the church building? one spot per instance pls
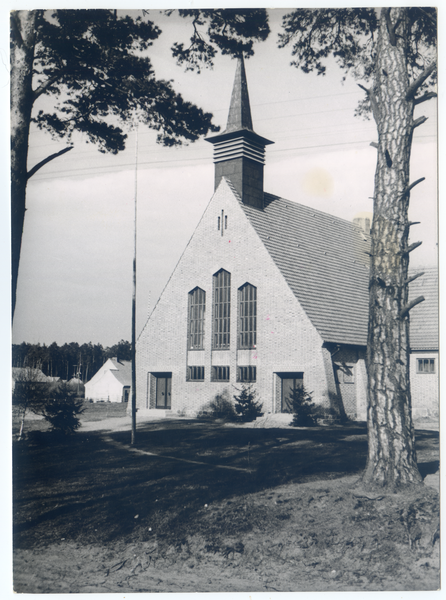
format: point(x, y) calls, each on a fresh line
point(268, 292)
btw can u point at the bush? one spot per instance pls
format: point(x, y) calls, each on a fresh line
point(63, 409)
point(304, 409)
point(246, 407)
point(219, 408)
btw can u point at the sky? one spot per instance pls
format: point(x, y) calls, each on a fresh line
point(75, 279)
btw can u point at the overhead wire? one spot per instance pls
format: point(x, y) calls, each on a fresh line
point(103, 170)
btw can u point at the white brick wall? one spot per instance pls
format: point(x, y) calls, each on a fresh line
point(424, 387)
point(286, 339)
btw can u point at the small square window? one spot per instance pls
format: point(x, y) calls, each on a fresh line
point(195, 374)
point(426, 365)
point(220, 373)
point(247, 374)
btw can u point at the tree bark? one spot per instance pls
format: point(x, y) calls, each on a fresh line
point(391, 441)
point(22, 56)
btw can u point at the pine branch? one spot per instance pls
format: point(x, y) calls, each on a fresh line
point(373, 101)
point(420, 80)
point(410, 279)
point(404, 311)
point(390, 27)
point(419, 121)
point(49, 82)
point(430, 17)
point(413, 247)
point(46, 160)
point(411, 186)
point(424, 98)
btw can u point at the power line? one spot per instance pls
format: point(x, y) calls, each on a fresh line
point(130, 133)
point(111, 168)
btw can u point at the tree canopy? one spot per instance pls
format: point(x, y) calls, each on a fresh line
point(95, 65)
point(350, 35)
point(90, 71)
point(68, 360)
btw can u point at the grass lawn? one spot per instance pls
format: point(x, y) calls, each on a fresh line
point(206, 507)
point(96, 411)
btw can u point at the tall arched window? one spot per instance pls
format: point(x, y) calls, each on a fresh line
point(222, 310)
point(197, 305)
point(247, 295)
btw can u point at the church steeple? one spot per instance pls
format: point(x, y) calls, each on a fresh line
point(239, 152)
point(239, 116)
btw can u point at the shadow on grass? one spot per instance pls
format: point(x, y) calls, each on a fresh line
point(91, 491)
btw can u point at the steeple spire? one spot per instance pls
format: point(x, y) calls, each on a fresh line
point(239, 111)
point(239, 152)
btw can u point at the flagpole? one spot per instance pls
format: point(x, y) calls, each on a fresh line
point(133, 439)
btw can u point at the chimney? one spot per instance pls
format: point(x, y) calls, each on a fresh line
point(239, 152)
point(364, 221)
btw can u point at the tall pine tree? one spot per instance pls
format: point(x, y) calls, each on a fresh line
point(392, 53)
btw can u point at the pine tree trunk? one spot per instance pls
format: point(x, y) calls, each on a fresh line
point(22, 57)
point(391, 454)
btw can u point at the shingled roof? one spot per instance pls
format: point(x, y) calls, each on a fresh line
point(424, 316)
point(122, 371)
point(324, 260)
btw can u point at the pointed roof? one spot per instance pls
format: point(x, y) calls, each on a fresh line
point(239, 117)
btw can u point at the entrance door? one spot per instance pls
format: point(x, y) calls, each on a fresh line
point(163, 390)
point(290, 382)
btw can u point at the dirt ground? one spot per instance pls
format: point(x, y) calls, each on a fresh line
point(301, 529)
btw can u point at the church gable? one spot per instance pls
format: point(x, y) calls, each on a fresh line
point(224, 240)
point(226, 316)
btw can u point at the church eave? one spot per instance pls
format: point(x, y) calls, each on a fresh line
point(246, 133)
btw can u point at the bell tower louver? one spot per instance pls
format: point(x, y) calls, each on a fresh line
point(239, 152)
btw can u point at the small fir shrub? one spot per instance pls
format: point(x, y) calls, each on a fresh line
point(220, 407)
point(246, 406)
point(63, 409)
point(304, 409)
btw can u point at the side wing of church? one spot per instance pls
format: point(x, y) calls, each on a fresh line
point(268, 292)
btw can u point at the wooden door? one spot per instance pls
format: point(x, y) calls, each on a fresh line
point(290, 382)
point(164, 390)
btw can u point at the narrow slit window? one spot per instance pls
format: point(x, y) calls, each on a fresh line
point(222, 310)
point(197, 305)
point(247, 316)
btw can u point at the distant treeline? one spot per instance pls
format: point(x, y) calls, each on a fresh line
point(69, 360)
